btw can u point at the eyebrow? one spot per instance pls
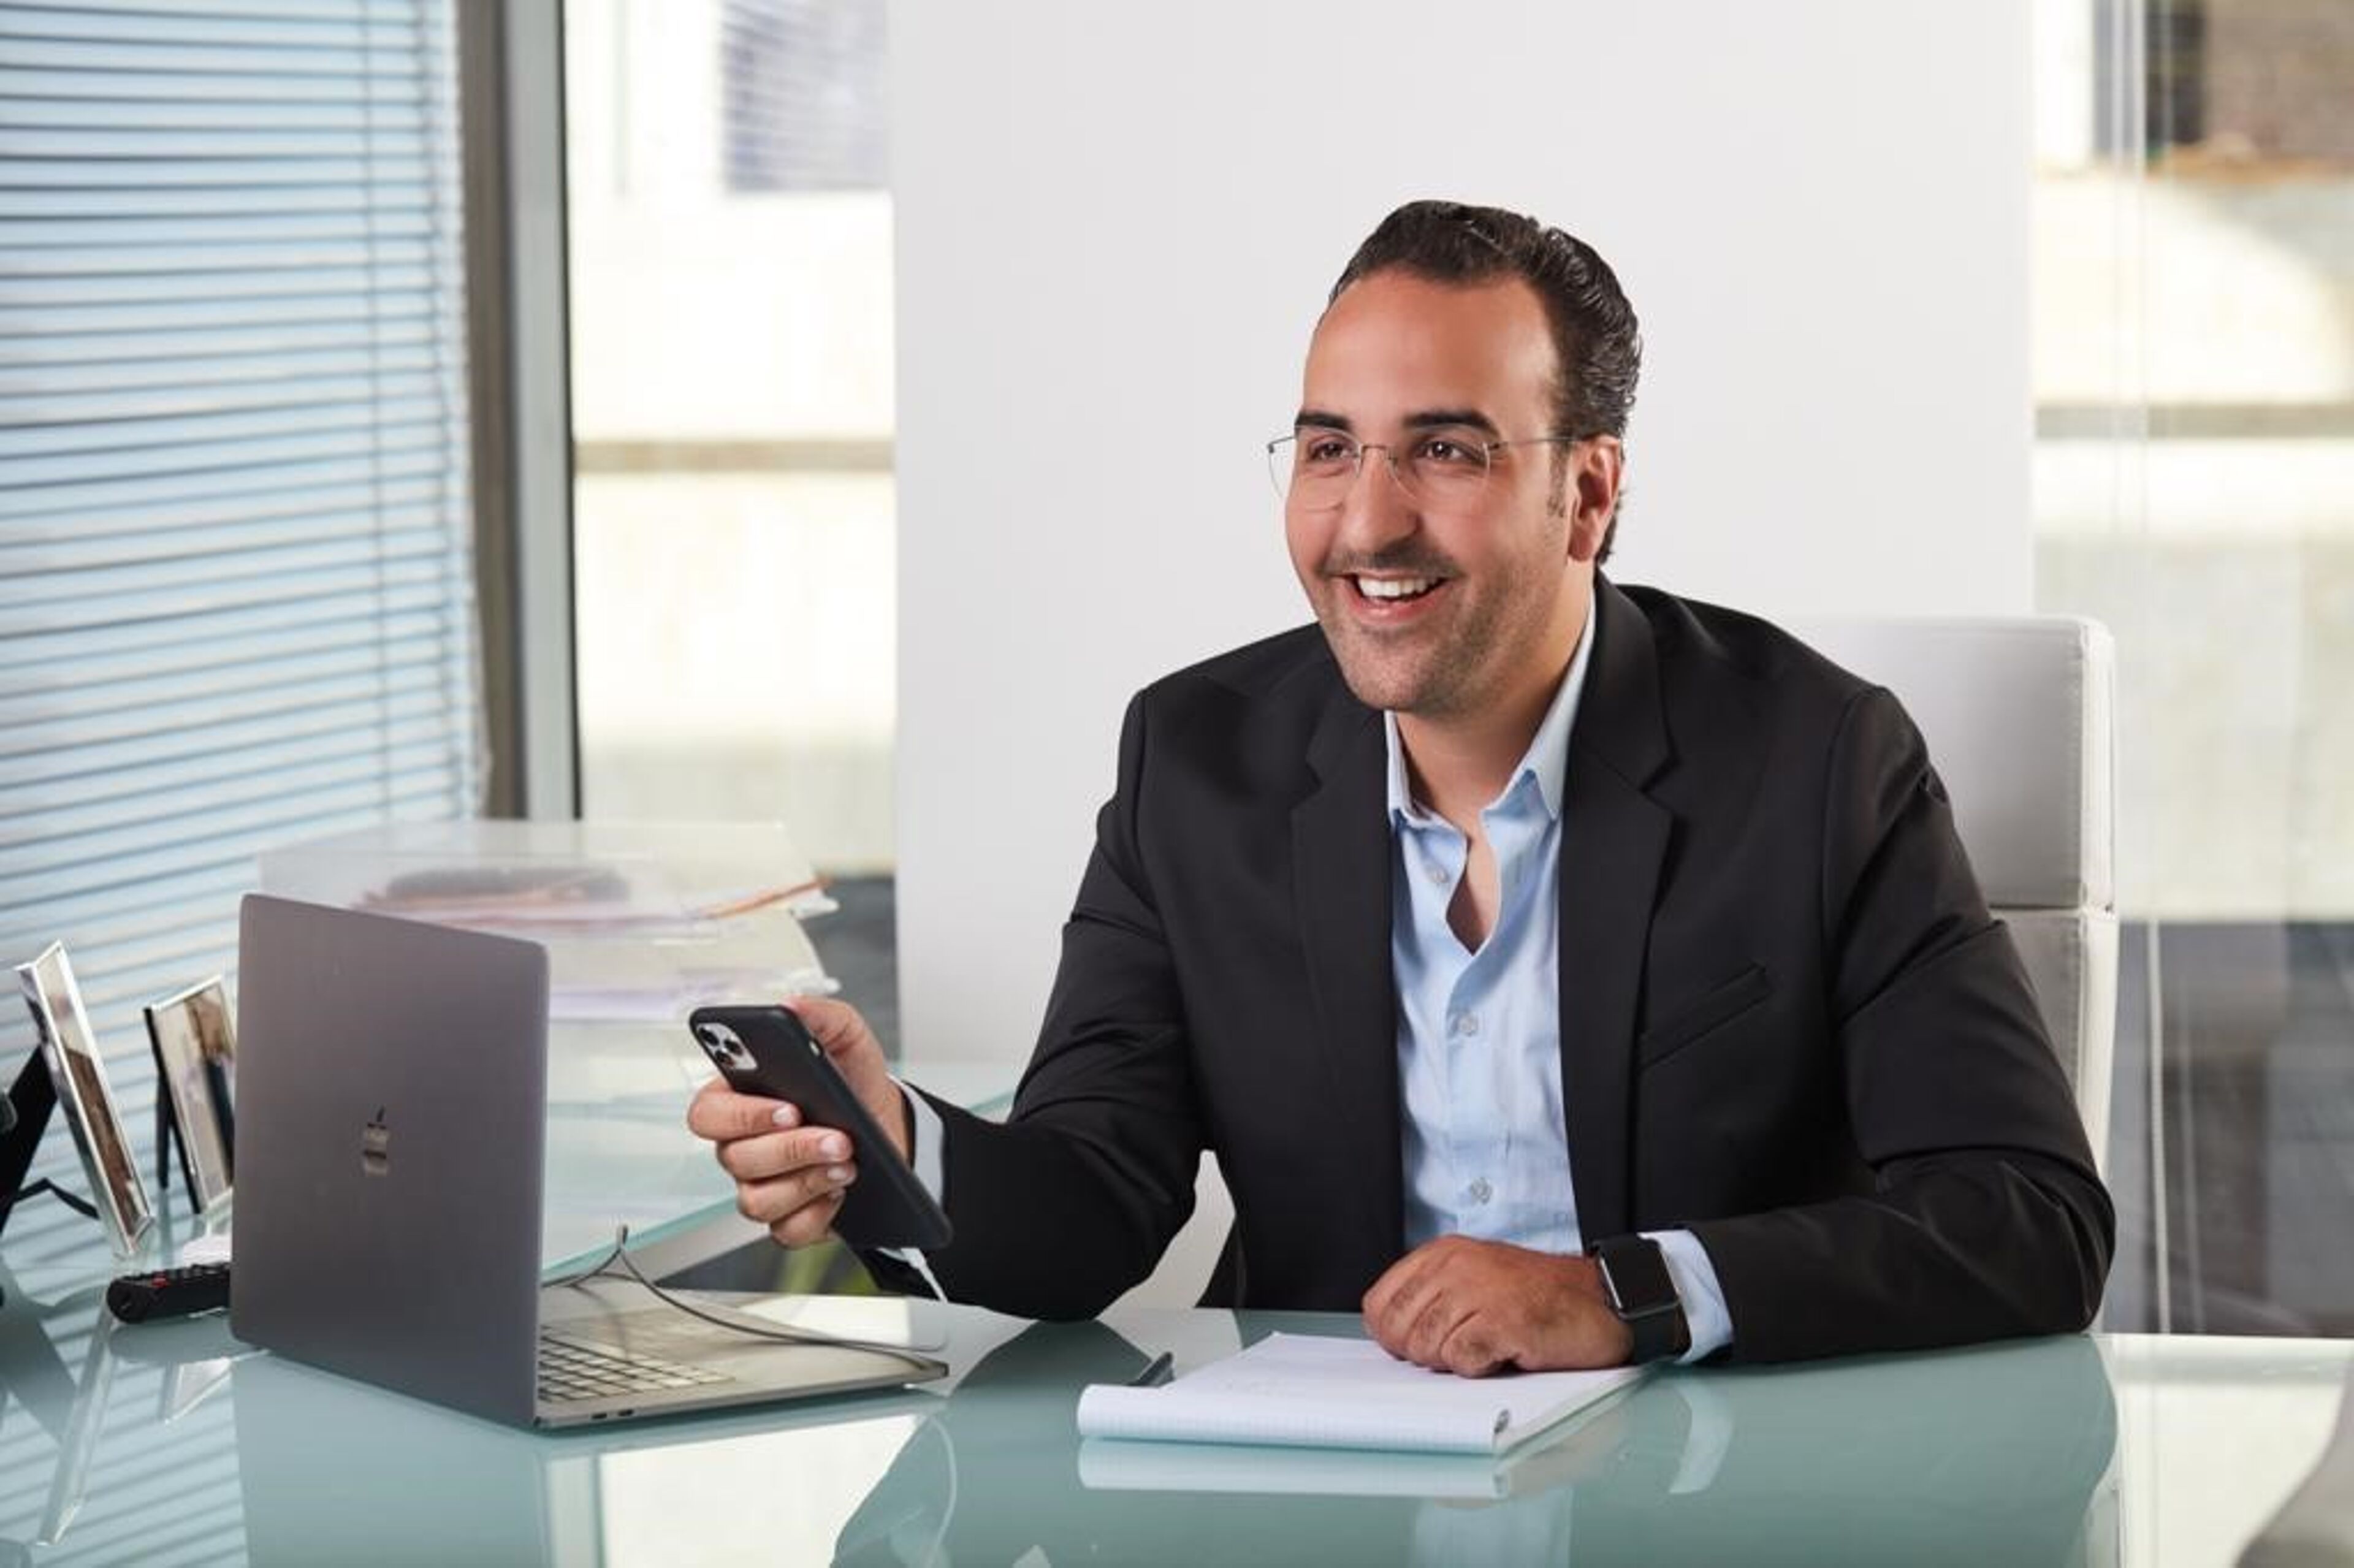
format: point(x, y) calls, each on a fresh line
point(1432, 417)
point(1427, 419)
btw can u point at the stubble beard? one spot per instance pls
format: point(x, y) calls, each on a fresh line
point(1452, 667)
point(1436, 671)
point(1430, 673)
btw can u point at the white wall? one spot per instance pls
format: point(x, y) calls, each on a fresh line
point(1115, 226)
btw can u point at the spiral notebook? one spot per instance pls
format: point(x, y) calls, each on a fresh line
point(1320, 1391)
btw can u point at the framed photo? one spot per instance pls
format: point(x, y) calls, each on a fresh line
point(196, 1056)
point(70, 1047)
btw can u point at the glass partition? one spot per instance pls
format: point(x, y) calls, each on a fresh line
point(2194, 467)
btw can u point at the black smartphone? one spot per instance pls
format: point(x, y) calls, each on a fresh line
point(768, 1051)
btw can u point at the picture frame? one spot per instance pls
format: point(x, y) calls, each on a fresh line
point(70, 1047)
point(193, 1034)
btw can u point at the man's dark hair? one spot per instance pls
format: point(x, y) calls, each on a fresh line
point(1594, 335)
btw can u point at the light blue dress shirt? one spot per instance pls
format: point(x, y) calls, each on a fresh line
point(1479, 1042)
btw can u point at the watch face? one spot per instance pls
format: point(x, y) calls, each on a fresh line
point(1643, 1294)
point(1637, 1278)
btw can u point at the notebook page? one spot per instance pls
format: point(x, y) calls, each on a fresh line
point(1323, 1392)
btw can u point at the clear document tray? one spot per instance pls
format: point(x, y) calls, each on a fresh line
point(643, 922)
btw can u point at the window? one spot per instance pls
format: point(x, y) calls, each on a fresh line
point(235, 530)
point(803, 94)
point(731, 336)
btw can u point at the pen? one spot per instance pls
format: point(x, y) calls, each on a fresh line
point(1154, 1370)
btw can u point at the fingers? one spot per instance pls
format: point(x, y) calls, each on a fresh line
point(1404, 1309)
point(808, 1227)
point(783, 1153)
point(1437, 1318)
point(773, 1201)
point(1394, 1280)
point(1469, 1350)
point(836, 1026)
point(797, 1208)
point(1475, 1307)
point(1422, 1314)
point(1375, 1310)
point(719, 1113)
point(791, 1178)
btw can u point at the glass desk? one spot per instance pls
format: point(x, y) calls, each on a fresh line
point(169, 1443)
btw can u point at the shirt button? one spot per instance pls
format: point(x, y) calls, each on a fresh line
point(1436, 872)
point(1466, 1024)
point(1481, 1191)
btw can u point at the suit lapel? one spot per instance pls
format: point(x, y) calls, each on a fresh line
point(1613, 839)
point(1341, 842)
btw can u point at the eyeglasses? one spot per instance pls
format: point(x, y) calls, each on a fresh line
point(1446, 467)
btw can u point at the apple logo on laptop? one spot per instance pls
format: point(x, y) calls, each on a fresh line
point(376, 1146)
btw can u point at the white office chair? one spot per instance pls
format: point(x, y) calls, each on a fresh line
point(2019, 715)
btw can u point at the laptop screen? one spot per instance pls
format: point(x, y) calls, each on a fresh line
point(391, 1117)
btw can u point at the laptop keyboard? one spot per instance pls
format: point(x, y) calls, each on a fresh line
point(572, 1370)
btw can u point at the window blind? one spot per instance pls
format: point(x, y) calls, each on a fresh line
point(236, 550)
point(801, 105)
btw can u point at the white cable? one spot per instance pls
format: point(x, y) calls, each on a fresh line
point(620, 1254)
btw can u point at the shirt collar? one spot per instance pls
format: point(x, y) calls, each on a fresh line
point(1546, 761)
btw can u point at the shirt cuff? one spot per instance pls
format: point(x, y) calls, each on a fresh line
point(1695, 1278)
point(925, 1129)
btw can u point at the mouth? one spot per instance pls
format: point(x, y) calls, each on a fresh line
point(1387, 592)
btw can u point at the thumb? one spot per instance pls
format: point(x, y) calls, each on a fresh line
point(857, 1055)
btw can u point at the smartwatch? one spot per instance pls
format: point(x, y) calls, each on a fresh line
point(1636, 1282)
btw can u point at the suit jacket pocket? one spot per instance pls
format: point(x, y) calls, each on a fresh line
point(1720, 1005)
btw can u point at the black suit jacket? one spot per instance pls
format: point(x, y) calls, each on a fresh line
point(1787, 1021)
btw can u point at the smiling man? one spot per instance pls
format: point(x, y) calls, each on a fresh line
point(1564, 974)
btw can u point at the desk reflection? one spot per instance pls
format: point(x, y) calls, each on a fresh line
point(83, 1379)
point(1995, 1454)
point(336, 1471)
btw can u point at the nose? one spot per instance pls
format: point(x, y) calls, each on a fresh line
point(1377, 511)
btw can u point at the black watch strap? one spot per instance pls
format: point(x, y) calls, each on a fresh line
point(1636, 1282)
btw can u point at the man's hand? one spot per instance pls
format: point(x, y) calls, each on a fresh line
point(1478, 1307)
point(789, 1177)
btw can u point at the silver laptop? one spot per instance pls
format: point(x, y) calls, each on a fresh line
point(391, 1117)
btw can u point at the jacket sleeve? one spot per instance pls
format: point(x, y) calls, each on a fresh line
point(1986, 1218)
point(1073, 1197)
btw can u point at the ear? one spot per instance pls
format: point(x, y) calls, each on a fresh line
point(1596, 464)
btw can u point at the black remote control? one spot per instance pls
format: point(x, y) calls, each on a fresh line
point(169, 1292)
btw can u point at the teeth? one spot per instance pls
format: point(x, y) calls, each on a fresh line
point(1396, 587)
